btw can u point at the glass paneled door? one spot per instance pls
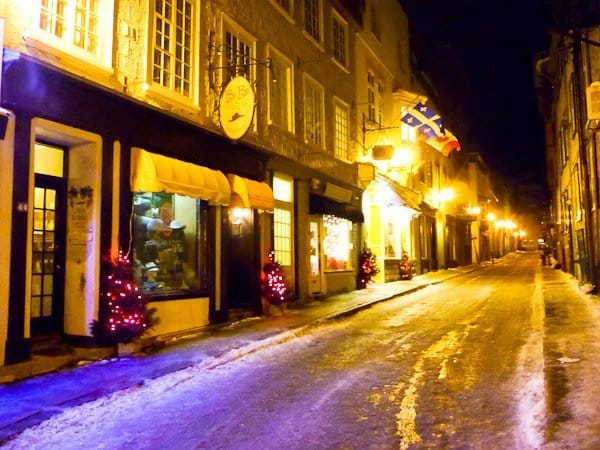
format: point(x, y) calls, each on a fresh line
point(47, 253)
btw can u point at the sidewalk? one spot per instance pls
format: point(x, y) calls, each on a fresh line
point(50, 384)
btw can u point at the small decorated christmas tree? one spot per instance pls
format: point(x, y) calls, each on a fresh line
point(367, 268)
point(124, 314)
point(273, 287)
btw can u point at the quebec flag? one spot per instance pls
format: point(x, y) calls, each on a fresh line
point(425, 120)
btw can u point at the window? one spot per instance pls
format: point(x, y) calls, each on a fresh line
point(168, 246)
point(563, 140)
point(237, 56)
point(339, 39)
point(172, 45)
point(286, 5)
point(313, 113)
point(76, 22)
point(282, 219)
point(379, 103)
point(337, 242)
point(375, 23)
point(312, 19)
point(280, 93)
point(375, 91)
point(80, 26)
point(341, 133)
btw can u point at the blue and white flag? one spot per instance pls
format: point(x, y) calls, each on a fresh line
point(424, 119)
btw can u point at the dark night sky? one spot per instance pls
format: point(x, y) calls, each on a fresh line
point(479, 56)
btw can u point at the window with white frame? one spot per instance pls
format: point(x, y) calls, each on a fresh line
point(286, 5)
point(280, 92)
point(340, 44)
point(375, 91)
point(83, 26)
point(312, 19)
point(342, 131)
point(173, 45)
point(379, 101)
point(237, 56)
point(282, 219)
point(313, 112)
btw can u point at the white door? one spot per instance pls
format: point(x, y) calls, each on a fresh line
point(314, 257)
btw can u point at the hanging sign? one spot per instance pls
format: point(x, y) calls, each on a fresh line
point(236, 107)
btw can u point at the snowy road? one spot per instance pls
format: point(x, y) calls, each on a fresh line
point(457, 365)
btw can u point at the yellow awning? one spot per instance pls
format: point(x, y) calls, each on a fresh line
point(246, 193)
point(151, 172)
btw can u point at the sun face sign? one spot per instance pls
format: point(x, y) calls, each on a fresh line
point(236, 107)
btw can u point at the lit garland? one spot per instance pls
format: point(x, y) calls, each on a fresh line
point(367, 268)
point(125, 315)
point(273, 287)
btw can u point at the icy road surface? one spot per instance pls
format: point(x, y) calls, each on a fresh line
point(458, 365)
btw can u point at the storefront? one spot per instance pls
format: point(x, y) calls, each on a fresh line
point(334, 238)
point(94, 172)
point(391, 214)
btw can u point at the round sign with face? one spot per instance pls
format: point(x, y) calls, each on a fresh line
point(236, 107)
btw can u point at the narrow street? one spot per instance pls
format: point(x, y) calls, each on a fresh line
point(491, 360)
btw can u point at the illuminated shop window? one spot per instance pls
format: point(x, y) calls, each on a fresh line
point(168, 247)
point(282, 220)
point(390, 240)
point(282, 234)
point(337, 243)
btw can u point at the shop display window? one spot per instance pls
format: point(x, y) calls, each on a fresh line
point(337, 243)
point(167, 243)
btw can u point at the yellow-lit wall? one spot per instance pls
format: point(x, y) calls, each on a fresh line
point(6, 211)
point(177, 316)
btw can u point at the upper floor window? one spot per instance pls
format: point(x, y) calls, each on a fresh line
point(312, 19)
point(313, 113)
point(342, 133)
point(280, 92)
point(286, 5)
point(375, 91)
point(563, 140)
point(340, 43)
point(172, 45)
point(83, 27)
point(375, 22)
point(237, 56)
point(74, 21)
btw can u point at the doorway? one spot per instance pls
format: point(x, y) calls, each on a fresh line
point(47, 255)
point(243, 272)
point(315, 285)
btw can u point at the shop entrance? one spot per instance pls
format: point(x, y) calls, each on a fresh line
point(314, 257)
point(243, 271)
point(48, 243)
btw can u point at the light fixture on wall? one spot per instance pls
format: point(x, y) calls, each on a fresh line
point(4, 116)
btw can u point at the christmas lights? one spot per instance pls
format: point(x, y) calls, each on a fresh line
point(273, 287)
point(124, 314)
point(367, 268)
